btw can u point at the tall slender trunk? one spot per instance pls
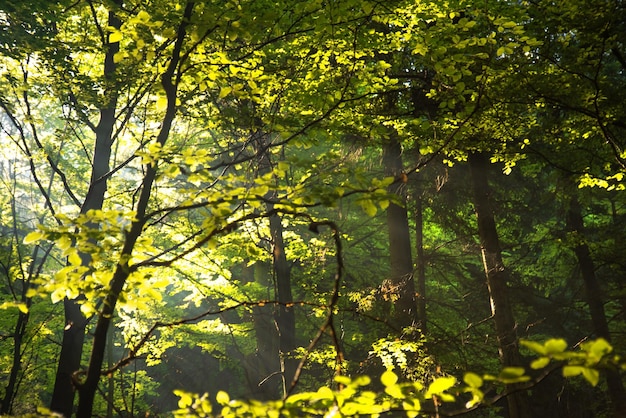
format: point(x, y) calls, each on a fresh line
point(75, 322)
point(10, 389)
point(284, 313)
point(19, 331)
point(88, 388)
point(497, 278)
point(420, 262)
point(595, 300)
point(402, 285)
point(285, 316)
point(265, 364)
point(110, 398)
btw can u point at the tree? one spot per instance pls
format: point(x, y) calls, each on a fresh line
point(594, 297)
point(209, 188)
point(497, 278)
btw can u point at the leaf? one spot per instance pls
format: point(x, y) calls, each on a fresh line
point(222, 398)
point(115, 37)
point(118, 57)
point(185, 398)
point(21, 306)
point(369, 207)
point(598, 348)
point(513, 375)
point(57, 295)
point(388, 378)
point(161, 104)
point(395, 391)
point(554, 345)
point(540, 363)
point(473, 380)
point(74, 258)
point(534, 346)
point(64, 242)
point(34, 237)
point(225, 91)
point(592, 375)
point(440, 385)
point(571, 371)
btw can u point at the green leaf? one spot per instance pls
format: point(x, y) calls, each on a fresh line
point(571, 371)
point(34, 237)
point(540, 363)
point(554, 345)
point(598, 348)
point(513, 375)
point(21, 306)
point(473, 380)
point(222, 398)
point(74, 258)
point(388, 378)
point(395, 391)
point(534, 346)
point(115, 37)
point(368, 206)
point(161, 103)
point(440, 385)
point(592, 375)
point(225, 91)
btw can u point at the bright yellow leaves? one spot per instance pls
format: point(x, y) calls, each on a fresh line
point(585, 362)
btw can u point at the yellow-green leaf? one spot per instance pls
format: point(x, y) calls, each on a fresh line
point(555, 345)
point(473, 380)
point(225, 91)
point(115, 37)
point(592, 375)
point(222, 398)
point(74, 258)
point(34, 237)
point(534, 346)
point(571, 371)
point(161, 103)
point(440, 385)
point(388, 378)
point(513, 375)
point(540, 363)
point(64, 242)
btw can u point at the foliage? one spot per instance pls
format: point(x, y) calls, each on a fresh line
point(351, 398)
point(153, 155)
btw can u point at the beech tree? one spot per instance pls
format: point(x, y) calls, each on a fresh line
point(213, 190)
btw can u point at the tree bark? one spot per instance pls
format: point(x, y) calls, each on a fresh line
point(420, 262)
point(497, 277)
point(595, 300)
point(284, 313)
point(265, 362)
point(88, 388)
point(75, 322)
point(10, 389)
point(401, 284)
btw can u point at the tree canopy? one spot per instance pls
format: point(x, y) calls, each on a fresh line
point(260, 208)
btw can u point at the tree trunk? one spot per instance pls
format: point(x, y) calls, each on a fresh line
point(88, 388)
point(593, 292)
point(284, 313)
point(75, 322)
point(401, 285)
point(265, 364)
point(497, 278)
point(420, 262)
point(18, 335)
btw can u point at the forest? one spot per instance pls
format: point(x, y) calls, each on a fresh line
point(333, 208)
